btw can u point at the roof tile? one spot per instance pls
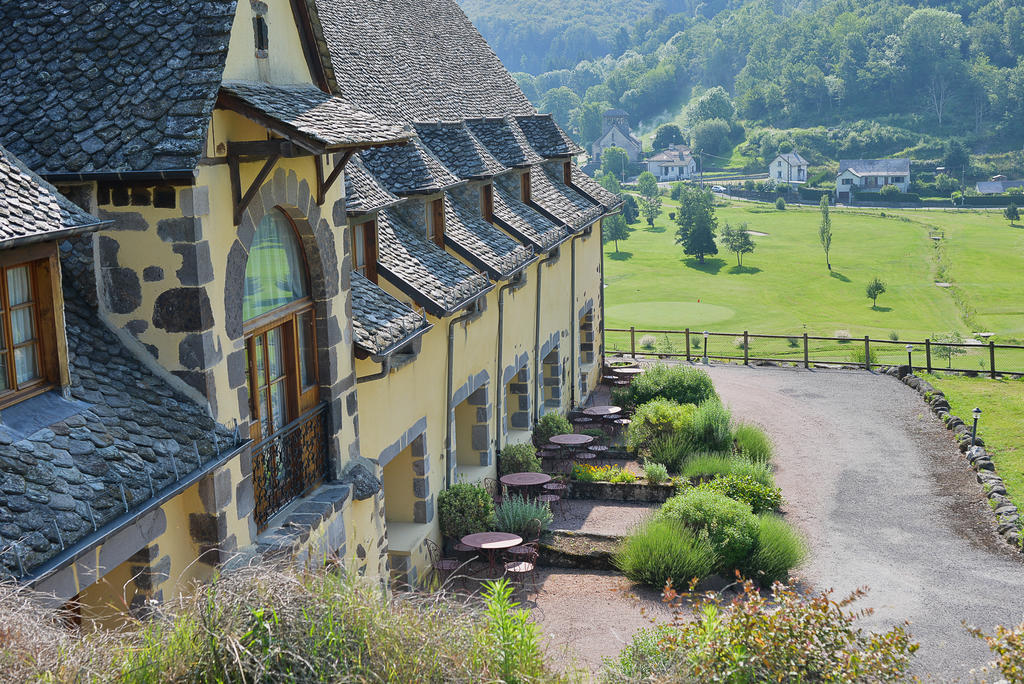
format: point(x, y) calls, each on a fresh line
point(547, 137)
point(379, 321)
point(408, 169)
point(459, 150)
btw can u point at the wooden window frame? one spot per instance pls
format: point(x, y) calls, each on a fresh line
point(368, 230)
point(46, 300)
point(487, 202)
point(525, 187)
point(435, 221)
point(567, 172)
point(298, 399)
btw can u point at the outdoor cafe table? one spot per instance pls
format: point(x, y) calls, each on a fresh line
point(492, 542)
point(572, 440)
point(602, 411)
point(525, 480)
point(628, 372)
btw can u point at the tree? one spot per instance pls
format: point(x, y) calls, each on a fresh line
point(559, 102)
point(712, 136)
point(630, 210)
point(930, 48)
point(614, 160)
point(650, 207)
point(875, 288)
point(697, 222)
point(668, 134)
point(825, 230)
point(738, 241)
point(941, 346)
point(647, 185)
point(1011, 213)
point(610, 183)
point(957, 159)
point(587, 120)
point(614, 229)
point(713, 104)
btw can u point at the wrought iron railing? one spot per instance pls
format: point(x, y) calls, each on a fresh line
point(289, 463)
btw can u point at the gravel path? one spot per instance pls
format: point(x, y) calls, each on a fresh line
point(601, 517)
point(885, 500)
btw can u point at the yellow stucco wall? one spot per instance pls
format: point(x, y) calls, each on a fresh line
point(284, 62)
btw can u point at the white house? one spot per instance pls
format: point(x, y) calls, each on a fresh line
point(675, 163)
point(788, 168)
point(615, 133)
point(870, 175)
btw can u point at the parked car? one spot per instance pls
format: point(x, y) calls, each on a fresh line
point(718, 188)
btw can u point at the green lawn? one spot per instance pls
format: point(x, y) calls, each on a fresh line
point(1001, 425)
point(785, 288)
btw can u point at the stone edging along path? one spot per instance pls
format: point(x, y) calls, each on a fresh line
point(1007, 517)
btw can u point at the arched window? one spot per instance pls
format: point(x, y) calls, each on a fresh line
point(279, 327)
point(290, 456)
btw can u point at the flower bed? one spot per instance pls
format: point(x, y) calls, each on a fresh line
point(631, 491)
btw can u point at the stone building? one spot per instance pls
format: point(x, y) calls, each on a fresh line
point(338, 261)
point(615, 133)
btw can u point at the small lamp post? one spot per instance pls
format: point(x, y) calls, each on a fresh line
point(706, 347)
point(910, 357)
point(974, 430)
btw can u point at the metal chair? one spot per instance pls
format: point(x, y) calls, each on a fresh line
point(600, 452)
point(444, 567)
point(524, 566)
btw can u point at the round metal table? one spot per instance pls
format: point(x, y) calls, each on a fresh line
point(525, 479)
point(571, 439)
point(492, 542)
point(629, 372)
point(602, 411)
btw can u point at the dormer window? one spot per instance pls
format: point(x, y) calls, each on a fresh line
point(435, 222)
point(567, 172)
point(29, 359)
point(262, 36)
point(524, 186)
point(364, 249)
point(487, 201)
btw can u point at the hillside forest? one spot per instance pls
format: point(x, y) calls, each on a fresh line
point(833, 78)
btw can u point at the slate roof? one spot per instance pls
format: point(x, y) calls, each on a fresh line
point(459, 150)
point(522, 220)
point(31, 210)
point(364, 194)
point(476, 240)
point(128, 428)
point(568, 206)
point(306, 110)
point(876, 167)
point(997, 187)
point(673, 155)
point(379, 321)
point(505, 140)
point(434, 279)
point(416, 61)
point(547, 137)
point(594, 190)
point(793, 159)
point(110, 86)
point(408, 169)
point(625, 133)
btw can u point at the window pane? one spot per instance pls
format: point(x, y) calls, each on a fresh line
point(359, 248)
point(307, 364)
point(25, 369)
point(17, 285)
point(277, 405)
point(275, 273)
point(258, 350)
point(21, 325)
point(264, 414)
point(3, 373)
point(275, 354)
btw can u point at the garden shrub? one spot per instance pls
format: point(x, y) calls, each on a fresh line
point(782, 637)
point(780, 204)
point(549, 425)
point(670, 450)
point(464, 509)
point(729, 525)
point(779, 549)
point(663, 550)
point(620, 396)
point(657, 418)
point(708, 465)
point(760, 497)
point(655, 473)
point(710, 428)
point(752, 443)
point(515, 512)
point(1007, 644)
point(648, 341)
point(584, 472)
point(518, 458)
point(681, 384)
point(857, 356)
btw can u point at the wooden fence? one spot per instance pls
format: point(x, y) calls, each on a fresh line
point(804, 350)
